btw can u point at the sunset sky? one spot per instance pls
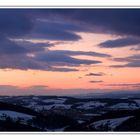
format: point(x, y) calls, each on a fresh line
point(69, 51)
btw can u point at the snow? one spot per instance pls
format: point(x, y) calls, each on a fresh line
point(62, 106)
point(80, 121)
point(14, 115)
point(48, 107)
point(41, 107)
point(91, 105)
point(111, 124)
point(125, 106)
point(55, 101)
point(91, 114)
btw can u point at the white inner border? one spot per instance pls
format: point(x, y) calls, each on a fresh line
point(90, 4)
point(69, 2)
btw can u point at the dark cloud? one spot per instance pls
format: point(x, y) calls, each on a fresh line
point(27, 44)
point(32, 46)
point(114, 21)
point(96, 74)
point(129, 58)
point(9, 47)
point(18, 53)
point(19, 62)
point(96, 81)
point(69, 21)
point(131, 61)
point(124, 85)
point(59, 25)
point(14, 22)
point(19, 23)
point(54, 30)
point(128, 65)
point(58, 59)
point(119, 43)
point(74, 53)
point(26, 55)
point(24, 62)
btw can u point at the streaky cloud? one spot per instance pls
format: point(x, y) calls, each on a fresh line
point(88, 53)
point(131, 61)
point(96, 74)
point(120, 43)
point(57, 59)
point(124, 85)
point(96, 81)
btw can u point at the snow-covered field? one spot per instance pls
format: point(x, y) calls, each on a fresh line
point(90, 105)
point(110, 124)
point(54, 104)
point(55, 101)
point(92, 115)
point(59, 103)
point(48, 107)
point(14, 115)
point(125, 106)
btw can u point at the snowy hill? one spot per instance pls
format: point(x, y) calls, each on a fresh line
point(54, 113)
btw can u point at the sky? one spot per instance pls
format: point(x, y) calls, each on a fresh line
point(69, 51)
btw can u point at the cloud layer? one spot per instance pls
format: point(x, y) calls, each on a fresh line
point(131, 61)
point(62, 25)
point(19, 27)
point(119, 43)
